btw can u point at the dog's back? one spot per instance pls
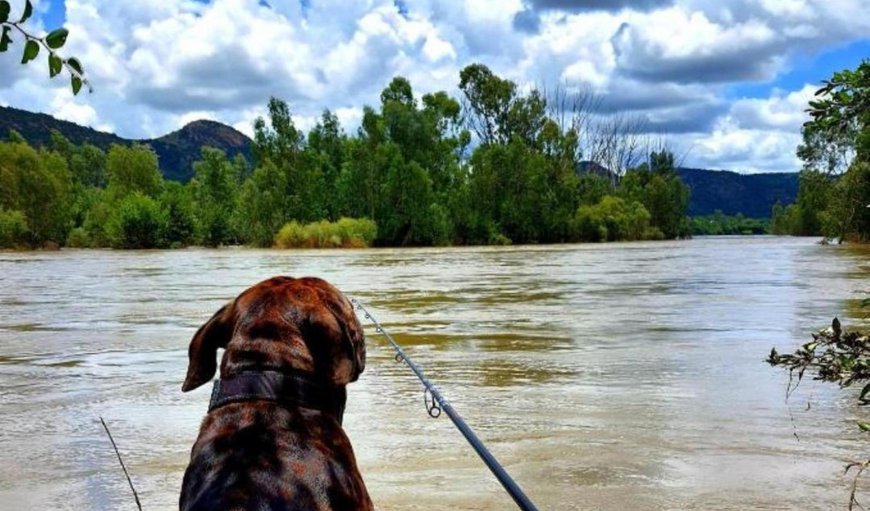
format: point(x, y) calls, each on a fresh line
point(263, 457)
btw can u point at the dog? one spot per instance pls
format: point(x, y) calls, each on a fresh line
point(272, 439)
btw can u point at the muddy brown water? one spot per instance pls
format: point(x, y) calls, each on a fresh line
point(614, 377)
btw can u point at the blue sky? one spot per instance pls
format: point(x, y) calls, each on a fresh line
point(724, 83)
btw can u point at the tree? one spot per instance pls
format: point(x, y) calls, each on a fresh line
point(657, 186)
point(837, 140)
point(133, 169)
point(841, 114)
point(138, 222)
point(327, 147)
point(180, 212)
point(214, 188)
point(612, 219)
point(848, 213)
point(51, 42)
point(282, 144)
point(38, 184)
point(13, 228)
point(262, 209)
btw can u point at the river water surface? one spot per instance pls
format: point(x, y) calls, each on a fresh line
point(613, 377)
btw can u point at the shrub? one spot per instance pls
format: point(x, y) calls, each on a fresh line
point(78, 238)
point(138, 222)
point(346, 233)
point(613, 219)
point(13, 228)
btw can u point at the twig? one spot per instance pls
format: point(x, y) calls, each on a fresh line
point(130, 481)
point(861, 466)
point(41, 40)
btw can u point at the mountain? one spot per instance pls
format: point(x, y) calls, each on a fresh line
point(176, 151)
point(179, 149)
point(751, 194)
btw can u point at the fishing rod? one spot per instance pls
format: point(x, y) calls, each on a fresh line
point(436, 402)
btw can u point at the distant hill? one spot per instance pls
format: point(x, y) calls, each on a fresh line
point(176, 151)
point(751, 194)
point(732, 193)
point(179, 149)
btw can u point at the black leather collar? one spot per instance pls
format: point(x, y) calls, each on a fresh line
point(291, 390)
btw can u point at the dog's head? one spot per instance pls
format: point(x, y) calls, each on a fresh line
point(282, 323)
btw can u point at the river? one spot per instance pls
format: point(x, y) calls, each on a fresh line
point(611, 376)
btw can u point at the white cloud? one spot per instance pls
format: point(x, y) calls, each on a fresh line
point(757, 134)
point(781, 111)
point(157, 64)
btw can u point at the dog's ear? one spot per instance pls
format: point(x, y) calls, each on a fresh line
point(356, 344)
point(202, 353)
point(349, 361)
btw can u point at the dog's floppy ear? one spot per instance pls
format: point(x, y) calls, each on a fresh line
point(351, 356)
point(202, 354)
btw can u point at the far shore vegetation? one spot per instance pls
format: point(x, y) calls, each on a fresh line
point(498, 166)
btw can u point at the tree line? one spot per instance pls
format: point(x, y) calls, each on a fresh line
point(834, 191)
point(497, 166)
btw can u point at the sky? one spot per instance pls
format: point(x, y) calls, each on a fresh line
point(724, 82)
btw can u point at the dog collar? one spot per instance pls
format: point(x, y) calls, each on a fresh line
point(291, 390)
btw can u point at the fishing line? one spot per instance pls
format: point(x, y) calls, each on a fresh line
point(436, 403)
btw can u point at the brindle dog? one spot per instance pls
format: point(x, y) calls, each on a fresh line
point(267, 454)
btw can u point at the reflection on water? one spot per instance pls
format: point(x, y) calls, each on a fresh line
point(622, 376)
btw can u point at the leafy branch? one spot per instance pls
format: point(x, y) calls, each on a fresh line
point(51, 42)
point(834, 356)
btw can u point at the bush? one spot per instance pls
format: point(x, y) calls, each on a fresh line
point(139, 222)
point(345, 233)
point(613, 219)
point(13, 228)
point(78, 238)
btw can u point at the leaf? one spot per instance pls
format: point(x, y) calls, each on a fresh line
point(31, 50)
point(864, 392)
point(4, 11)
point(864, 425)
point(28, 10)
point(76, 84)
point(75, 64)
point(865, 302)
point(56, 38)
point(55, 65)
point(5, 39)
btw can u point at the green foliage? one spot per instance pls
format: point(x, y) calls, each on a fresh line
point(847, 217)
point(837, 139)
point(409, 169)
point(657, 186)
point(345, 233)
point(132, 170)
point(79, 238)
point(613, 219)
point(214, 189)
point(13, 229)
point(719, 224)
point(138, 222)
point(39, 185)
point(51, 42)
point(263, 205)
point(834, 355)
point(178, 204)
point(841, 112)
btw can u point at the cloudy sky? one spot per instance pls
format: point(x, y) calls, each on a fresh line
point(726, 81)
